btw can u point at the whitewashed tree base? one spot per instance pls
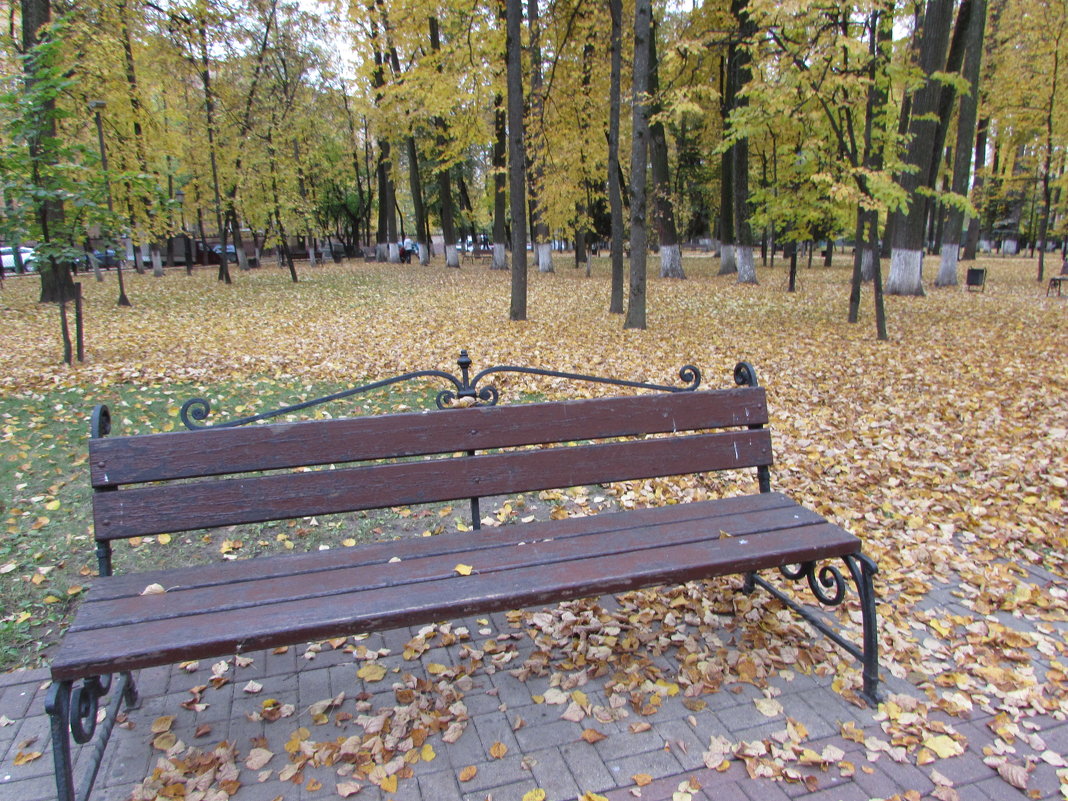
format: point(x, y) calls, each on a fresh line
point(743, 256)
point(545, 257)
point(947, 268)
point(671, 262)
point(727, 263)
point(867, 264)
point(452, 256)
point(500, 256)
point(906, 273)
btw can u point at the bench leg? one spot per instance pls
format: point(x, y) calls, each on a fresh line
point(73, 713)
point(829, 587)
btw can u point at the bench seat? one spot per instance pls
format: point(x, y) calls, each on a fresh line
point(231, 607)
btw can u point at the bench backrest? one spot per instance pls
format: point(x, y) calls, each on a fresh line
point(162, 483)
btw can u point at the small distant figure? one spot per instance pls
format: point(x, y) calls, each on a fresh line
point(1064, 264)
point(407, 248)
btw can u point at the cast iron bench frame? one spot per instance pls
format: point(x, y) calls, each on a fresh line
point(207, 611)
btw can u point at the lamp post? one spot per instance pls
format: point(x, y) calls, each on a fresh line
point(97, 106)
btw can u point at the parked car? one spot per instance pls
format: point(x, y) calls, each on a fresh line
point(215, 257)
point(106, 258)
point(7, 256)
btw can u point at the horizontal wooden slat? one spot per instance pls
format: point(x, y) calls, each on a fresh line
point(528, 546)
point(180, 507)
point(715, 513)
point(515, 582)
point(185, 454)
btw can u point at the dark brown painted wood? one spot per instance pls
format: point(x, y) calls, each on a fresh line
point(185, 454)
point(184, 506)
point(716, 514)
point(219, 633)
point(540, 546)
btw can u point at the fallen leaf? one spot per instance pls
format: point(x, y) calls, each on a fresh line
point(463, 570)
point(498, 750)
point(468, 773)
point(593, 736)
point(154, 589)
point(257, 758)
point(642, 779)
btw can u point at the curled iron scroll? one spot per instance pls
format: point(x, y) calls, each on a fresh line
point(195, 411)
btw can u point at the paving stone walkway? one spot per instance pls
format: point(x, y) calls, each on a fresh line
point(547, 752)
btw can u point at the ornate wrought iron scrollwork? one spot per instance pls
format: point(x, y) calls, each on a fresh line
point(196, 410)
point(826, 582)
point(745, 375)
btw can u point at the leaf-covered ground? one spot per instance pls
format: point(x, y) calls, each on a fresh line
point(946, 449)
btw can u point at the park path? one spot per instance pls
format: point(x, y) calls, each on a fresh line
point(547, 752)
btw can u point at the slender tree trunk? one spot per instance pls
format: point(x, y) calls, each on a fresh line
point(517, 161)
point(209, 112)
point(664, 209)
point(743, 251)
point(500, 195)
point(971, 240)
point(727, 263)
point(615, 191)
point(542, 245)
point(969, 105)
point(639, 156)
point(907, 256)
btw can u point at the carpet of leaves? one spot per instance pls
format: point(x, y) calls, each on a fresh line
point(944, 450)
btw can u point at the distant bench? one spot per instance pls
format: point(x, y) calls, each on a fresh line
point(229, 475)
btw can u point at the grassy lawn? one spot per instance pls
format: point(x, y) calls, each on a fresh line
point(944, 449)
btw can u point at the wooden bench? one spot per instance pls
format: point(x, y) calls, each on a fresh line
point(228, 475)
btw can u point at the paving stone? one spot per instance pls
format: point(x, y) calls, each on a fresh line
point(655, 763)
point(530, 738)
point(505, 793)
point(684, 743)
point(551, 774)
point(440, 786)
point(16, 698)
point(586, 766)
point(38, 788)
point(495, 773)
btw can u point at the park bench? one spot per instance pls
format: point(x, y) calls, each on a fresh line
point(231, 474)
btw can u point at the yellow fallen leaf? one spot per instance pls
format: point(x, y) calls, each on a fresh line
point(427, 753)
point(498, 750)
point(389, 784)
point(592, 736)
point(372, 671)
point(162, 724)
point(642, 779)
point(944, 745)
point(534, 795)
point(24, 757)
point(468, 773)
point(164, 539)
point(435, 668)
point(463, 570)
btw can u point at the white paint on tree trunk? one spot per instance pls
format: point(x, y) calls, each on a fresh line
point(947, 269)
point(545, 257)
point(394, 253)
point(906, 272)
point(671, 262)
point(381, 251)
point(157, 262)
point(424, 253)
point(743, 255)
point(867, 264)
point(727, 264)
point(1009, 247)
point(500, 256)
point(452, 256)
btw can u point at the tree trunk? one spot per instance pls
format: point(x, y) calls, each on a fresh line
point(743, 251)
point(664, 209)
point(969, 105)
point(615, 191)
point(907, 255)
point(500, 166)
point(542, 245)
point(971, 240)
point(639, 155)
point(517, 161)
point(416, 183)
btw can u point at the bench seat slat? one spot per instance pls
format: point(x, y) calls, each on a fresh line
point(185, 454)
point(220, 502)
point(307, 564)
point(536, 545)
point(404, 602)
